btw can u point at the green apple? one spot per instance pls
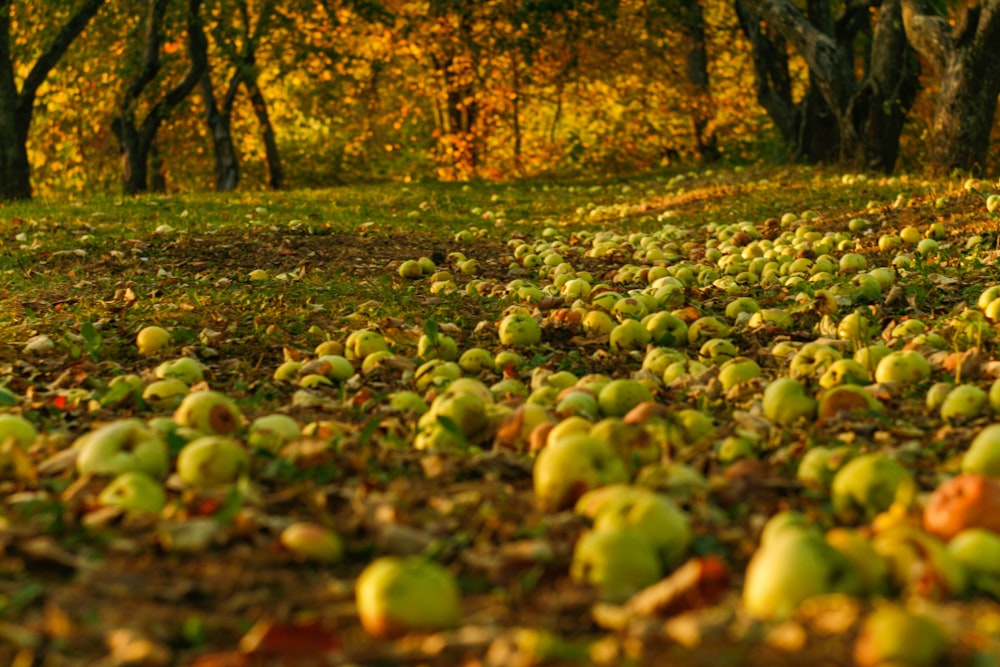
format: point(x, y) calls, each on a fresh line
point(519, 330)
point(437, 347)
point(18, 429)
point(407, 401)
point(134, 490)
point(571, 465)
point(212, 460)
point(209, 412)
point(857, 548)
point(311, 541)
point(361, 343)
point(475, 360)
point(597, 323)
point(270, 432)
point(819, 465)
point(121, 446)
point(185, 369)
point(287, 371)
point(396, 595)
point(411, 269)
point(785, 402)
point(516, 429)
point(628, 335)
point(963, 403)
point(906, 367)
point(738, 370)
point(619, 561)
point(666, 329)
point(577, 401)
point(657, 359)
point(657, 519)
point(706, 327)
point(617, 397)
point(869, 485)
point(844, 371)
point(892, 635)
point(151, 340)
point(811, 360)
point(983, 455)
point(165, 394)
point(790, 568)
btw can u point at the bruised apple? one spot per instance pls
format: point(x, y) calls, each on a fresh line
point(963, 502)
point(396, 595)
point(209, 412)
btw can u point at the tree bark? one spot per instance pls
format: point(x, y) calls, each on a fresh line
point(857, 121)
point(136, 139)
point(17, 107)
point(706, 143)
point(275, 174)
point(965, 59)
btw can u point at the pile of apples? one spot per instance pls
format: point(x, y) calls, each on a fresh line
point(726, 341)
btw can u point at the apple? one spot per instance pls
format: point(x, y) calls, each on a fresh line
point(411, 269)
point(811, 360)
point(963, 403)
point(185, 369)
point(905, 367)
point(855, 327)
point(850, 400)
point(165, 394)
point(514, 432)
point(892, 635)
point(209, 412)
point(212, 460)
point(617, 397)
point(408, 402)
point(963, 502)
point(738, 370)
point(706, 327)
point(594, 501)
point(396, 595)
point(618, 561)
point(785, 401)
point(151, 340)
point(475, 360)
point(791, 567)
point(743, 305)
point(570, 466)
point(287, 371)
point(311, 541)
point(333, 366)
point(978, 550)
point(574, 425)
point(844, 371)
point(121, 446)
point(657, 519)
point(437, 347)
point(920, 563)
point(270, 432)
point(983, 455)
point(735, 447)
point(597, 323)
point(716, 351)
point(576, 401)
point(628, 335)
point(666, 329)
point(629, 308)
point(657, 359)
point(361, 343)
point(868, 485)
point(633, 442)
point(819, 465)
point(519, 330)
point(17, 429)
point(134, 490)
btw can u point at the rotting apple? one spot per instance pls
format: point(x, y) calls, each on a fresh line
point(210, 412)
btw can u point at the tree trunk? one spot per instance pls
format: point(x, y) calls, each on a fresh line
point(706, 143)
point(17, 107)
point(965, 59)
point(275, 175)
point(137, 141)
point(857, 122)
point(227, 162)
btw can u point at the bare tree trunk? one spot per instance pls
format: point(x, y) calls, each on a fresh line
point(706, 143)
point(275, 175)
point(227, 162)
point(965, 59)
point(136, 141)
point(17, 107)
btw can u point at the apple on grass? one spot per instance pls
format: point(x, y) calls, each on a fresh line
point(618, 560)
point(311, 541)
point(785, 401)
point(893, 635)
point(211, 461)
point(869, 485)
point(209, 412)
point(165, 394)
point(270, 432)
point(657, 519)
point(134, 490)
point(151, 340)
point(121, 446)
point(983, 455)
point(567, 468)
point(617, 397)
point(519, 330)
point(396, 595)
point(185, 369)
point(18, 429)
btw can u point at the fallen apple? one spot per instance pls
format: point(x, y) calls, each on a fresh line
point(311, 541)
point(121, 446)
point(151, 340)
point(18, 429)
point(983, 454)
point(785, 401)
point(892, 635)
point(211, 461)
point(618, 561)
point(569, 466)
point(270, 432)
point(210, 412)
point(396, 595)
point(185, 369)
point(519, 330)
point(658, 520)
point(617, 397)
point(135, 491)
point(963, 502)
point(868, 485)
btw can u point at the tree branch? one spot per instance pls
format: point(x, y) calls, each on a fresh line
point(929, 35)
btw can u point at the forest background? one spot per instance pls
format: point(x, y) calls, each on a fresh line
point(181, 95)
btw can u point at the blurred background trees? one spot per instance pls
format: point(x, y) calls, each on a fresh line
point(170, 95)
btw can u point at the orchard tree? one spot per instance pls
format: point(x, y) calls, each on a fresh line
point(851, 116)
point(965, 58)
point(137, 137)
point(17, 105)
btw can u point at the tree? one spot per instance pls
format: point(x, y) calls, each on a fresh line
point(965, 59)
point(17, 106)
point(137, 138)
point(854, 119)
